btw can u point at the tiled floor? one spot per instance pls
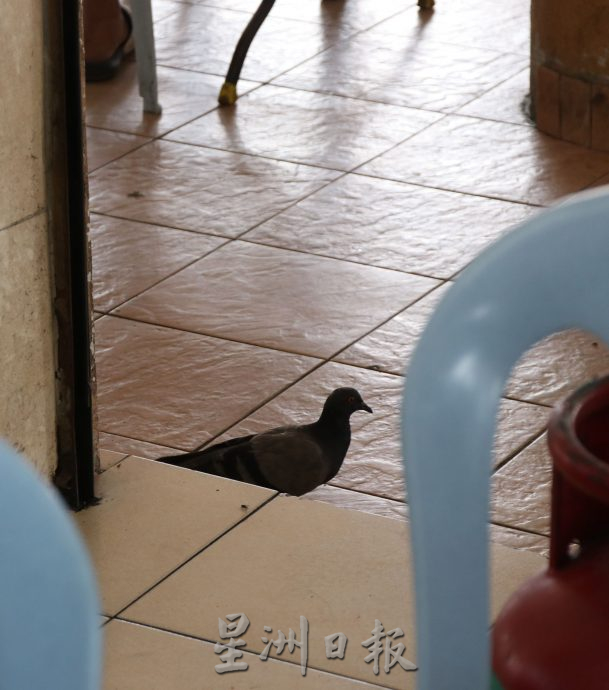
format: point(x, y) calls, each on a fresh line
point(246, 261)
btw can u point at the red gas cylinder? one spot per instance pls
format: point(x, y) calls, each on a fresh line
point(553, 634)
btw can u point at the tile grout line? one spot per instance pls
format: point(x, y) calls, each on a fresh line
point(118, 305)
point(122, 155)
point(519, 449)
point(245, 518)
point(361, 491)
point(210, 335)
point(39, 211)
point(325, 361)
point(454, 191)
point(199, 638)
point(524, 530)
point(259, 243)
point(484, 93)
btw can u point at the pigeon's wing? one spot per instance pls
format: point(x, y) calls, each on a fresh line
point(233, 459)
point(290, 459)
point(199, 459)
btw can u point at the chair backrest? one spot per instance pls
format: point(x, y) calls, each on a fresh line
point(549, 274)
point(50, 634)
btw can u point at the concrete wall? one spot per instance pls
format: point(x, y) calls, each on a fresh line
point(27, 385)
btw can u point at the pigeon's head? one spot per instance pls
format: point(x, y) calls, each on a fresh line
point(345, 401)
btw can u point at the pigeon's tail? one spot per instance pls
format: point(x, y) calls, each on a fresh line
point(200, 460)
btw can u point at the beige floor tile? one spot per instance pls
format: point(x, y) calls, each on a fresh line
point(356, 500)
point(130, 446)
point(129, 257)
point(152, 517)
point(180, 389)
point(201, 189)
point(515, 539)
point(278, 298)
point(360, 14)
point(468, 23)
point(508, 102)
point(142, 658)
point(314, 568)
point(557, 366)
point(496, 159)
point(203, 39)
point(393, 225)
point(374, 461)
point(521, 490)
point(104, 146)
point(313, 128)
point(401, 71)
point(107, 458)
point(184, 95)
point(390, 347)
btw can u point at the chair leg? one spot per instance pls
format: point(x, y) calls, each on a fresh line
point(426, 4)
point(143, 37)
point(228, 92)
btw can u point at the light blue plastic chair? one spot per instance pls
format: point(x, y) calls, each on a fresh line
point(50, 636)
point(549, 274)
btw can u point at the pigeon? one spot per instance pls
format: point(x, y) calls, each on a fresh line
point(289, 459)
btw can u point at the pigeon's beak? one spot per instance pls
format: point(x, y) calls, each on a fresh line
point(363, 406)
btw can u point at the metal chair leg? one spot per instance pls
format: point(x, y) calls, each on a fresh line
point(228, 92)
point(143, 37)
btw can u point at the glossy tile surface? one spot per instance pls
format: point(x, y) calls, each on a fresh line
point(557, 366)
point(357, 500)
point(398, 70)
point(179, 389)
point(520, 496)
point(468, 23)
point(183, 94)
point(143, 658)
point(104, 146)
point(308, 577)
point(122, 445)
point(512, 162)
point(153, 517)
point(130, 257)
point(507, 102)
point(280, 44)
point(200, 189)
point(389, 224)
point(390, 347)
point(312, 128)
point(360, 14)
point(278, 298)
